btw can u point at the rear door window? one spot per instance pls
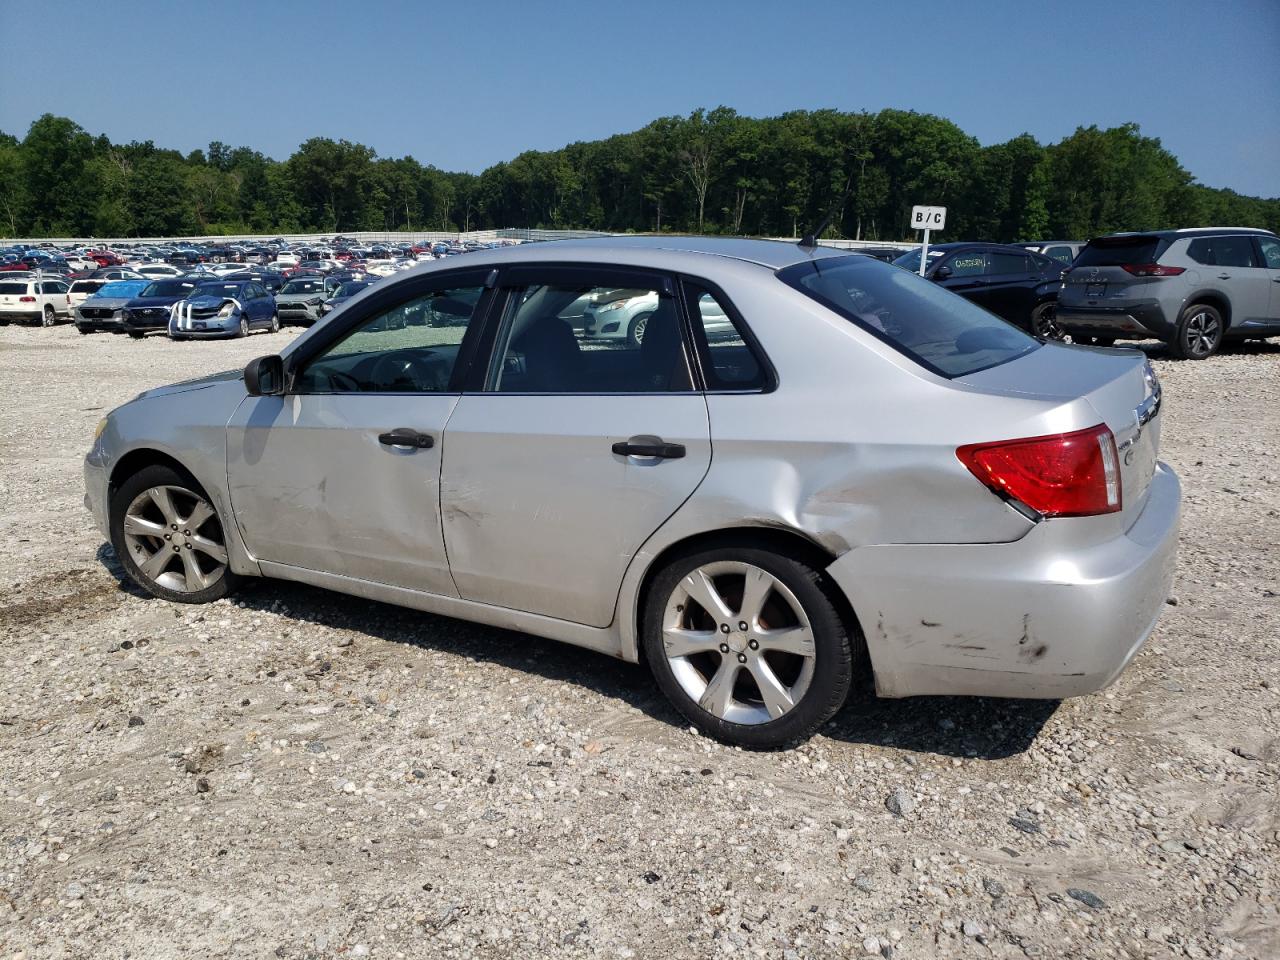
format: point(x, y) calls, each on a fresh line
point(1006, 264)
point(938, 329)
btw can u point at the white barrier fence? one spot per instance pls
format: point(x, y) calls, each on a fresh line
point(403, 237)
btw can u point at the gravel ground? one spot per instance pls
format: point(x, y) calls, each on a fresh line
point(302, 774)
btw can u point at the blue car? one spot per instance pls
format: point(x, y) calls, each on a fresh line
point(223, 308)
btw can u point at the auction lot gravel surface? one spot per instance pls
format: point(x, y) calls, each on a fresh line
point(300, 774)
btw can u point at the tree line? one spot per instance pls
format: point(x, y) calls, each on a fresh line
point(713, 171)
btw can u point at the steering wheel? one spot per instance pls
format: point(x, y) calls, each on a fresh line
point(343, 382)
point(415, 371)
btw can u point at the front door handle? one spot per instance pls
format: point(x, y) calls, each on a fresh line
point(649, 446)
point(1224, 276)
point(407, 437)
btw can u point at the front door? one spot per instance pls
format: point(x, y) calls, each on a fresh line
point(1271, 263)
point(573, 451)
point(342, 474)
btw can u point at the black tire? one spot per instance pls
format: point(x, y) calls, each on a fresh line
point(635, 332)
point(84, 332)
point(146, 478)
point(1044, 323)
point(275, 321)
point(136, 334)
point(1198, 334)
point(833, 638)
point(243, 329)
point(1095, 341)
point(48, 318)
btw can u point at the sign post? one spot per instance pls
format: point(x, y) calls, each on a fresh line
point(926, 219)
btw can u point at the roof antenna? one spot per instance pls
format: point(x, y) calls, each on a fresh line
point(810, 240)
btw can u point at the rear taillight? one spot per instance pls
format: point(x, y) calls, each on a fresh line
point(1151, 270)
point(1063, 475)
point(26, 299)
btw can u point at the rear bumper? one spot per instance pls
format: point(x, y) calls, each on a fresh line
point(1132, 320)
point(1037, 617)
point(20, 316)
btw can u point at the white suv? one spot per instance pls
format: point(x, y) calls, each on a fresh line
point(34, 301)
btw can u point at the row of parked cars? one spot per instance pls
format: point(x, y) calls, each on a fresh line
point(1194, 289)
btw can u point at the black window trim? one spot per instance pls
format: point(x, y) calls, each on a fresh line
point(518, 276)
point(383, 299)
point(702, 350)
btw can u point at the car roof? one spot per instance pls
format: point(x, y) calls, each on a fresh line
point(970, 244)
point(1191, 232)
point(773, 254)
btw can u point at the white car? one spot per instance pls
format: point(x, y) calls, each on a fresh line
point(82, 290)
point(287, 259)
point(34, 301)
point(222, 269)
point(157, 271)
point(380, 268)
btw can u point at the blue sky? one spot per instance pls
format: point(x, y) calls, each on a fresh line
point(465, 83)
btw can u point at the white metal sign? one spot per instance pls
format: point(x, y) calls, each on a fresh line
point(927, 219)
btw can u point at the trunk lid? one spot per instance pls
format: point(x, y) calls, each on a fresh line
point(1119, 385)
point(1098, 276)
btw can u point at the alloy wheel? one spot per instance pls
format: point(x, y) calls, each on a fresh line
point(639, 327)
point(1202, 333)
point(244, 325)
point(1044, 323)
point(47, 318)
point(174, 537)
point(738, 642)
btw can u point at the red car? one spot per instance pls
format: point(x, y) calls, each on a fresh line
point(105, 258)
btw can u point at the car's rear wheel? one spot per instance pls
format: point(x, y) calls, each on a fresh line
point(748, 645)
point(1199, 333)
point(48, 318)
point(638, 327)
point(1044, 322)
point(169, 537)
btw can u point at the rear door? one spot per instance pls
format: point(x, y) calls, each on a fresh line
point(570, 452)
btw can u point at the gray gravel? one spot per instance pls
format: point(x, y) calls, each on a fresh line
point(300, 774)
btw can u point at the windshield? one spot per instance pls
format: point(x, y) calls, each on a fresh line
point(350, 289)
point(911, 259)
point(122, 288)
point(938, 329)
point(168, 288)
point(303, 286)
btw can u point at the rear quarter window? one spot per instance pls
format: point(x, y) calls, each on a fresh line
point(940, 330)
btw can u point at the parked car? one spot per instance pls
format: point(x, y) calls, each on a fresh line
point(223, 308)
point(300, 299)
point(149, 311)
point(32, 300)
point(105, 309)
point(344, 293)
point(154, 271)
point(82, 290)
point(1000, 527)
point(1012, 283)
point(1193, 289)
point(1064, 251)
point(115, 273)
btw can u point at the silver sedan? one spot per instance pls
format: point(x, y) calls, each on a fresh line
point(812, 466)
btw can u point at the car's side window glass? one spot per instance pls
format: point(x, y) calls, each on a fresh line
point(411, 347)
point(968, 264)
point(590, 338)
point(1270, 252)
point(1235, 251)
point(729, 362)
point(1003, 264)
point(1061, 254)
point(1201, 251)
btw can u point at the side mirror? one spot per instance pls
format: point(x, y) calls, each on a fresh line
point(942, 273)
point(264, 377)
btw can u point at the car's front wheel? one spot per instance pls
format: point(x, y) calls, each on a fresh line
point(748, 645)
point(275, 321)
point(169, 537)
point(244, 326)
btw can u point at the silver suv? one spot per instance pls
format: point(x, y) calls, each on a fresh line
point(1193, 289)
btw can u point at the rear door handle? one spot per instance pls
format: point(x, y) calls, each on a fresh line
point(1224, 276)
point(649, 446)
point(407, 437)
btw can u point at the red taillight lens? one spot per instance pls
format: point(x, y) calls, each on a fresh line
point(26, 299)
point(1064, 475)
point(1151, 270)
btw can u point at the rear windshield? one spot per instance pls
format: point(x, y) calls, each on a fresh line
point(168, 288)
point(1117, 251)
point(938, 329)
point(87, 286)
point(12, 288)
point(303, 286)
